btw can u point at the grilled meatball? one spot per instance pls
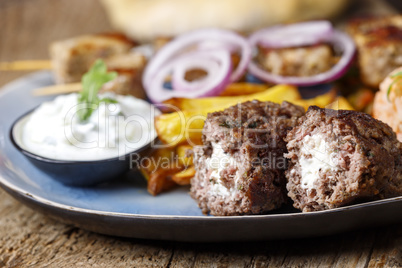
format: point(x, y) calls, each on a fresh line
point(297, 61)
point(379, 46)
point(129, 68)
point(73, 57)
point(337, 157)
point(240, 168)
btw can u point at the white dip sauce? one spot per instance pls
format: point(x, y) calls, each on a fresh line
point(315, 156)
point(54, 130)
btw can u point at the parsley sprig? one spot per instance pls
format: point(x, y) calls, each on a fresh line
point(92, 81)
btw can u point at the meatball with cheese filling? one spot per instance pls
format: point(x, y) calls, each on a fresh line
point(340, 157)
point(240, 168)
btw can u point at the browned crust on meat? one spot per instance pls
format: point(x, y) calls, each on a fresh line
point(370, 165)
point(379, 46)
point(252, 133)
point(297, 61)
point(71, 58)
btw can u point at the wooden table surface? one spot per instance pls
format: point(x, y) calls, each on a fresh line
point(30, 239)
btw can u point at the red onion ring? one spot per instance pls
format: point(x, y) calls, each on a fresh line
point(211, 61)
point(293, 35)
point(339, 40)
point(214, 45)
point(179, 82)
point(189, 41)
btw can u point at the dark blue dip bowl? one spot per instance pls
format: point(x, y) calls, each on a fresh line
point(76, 173)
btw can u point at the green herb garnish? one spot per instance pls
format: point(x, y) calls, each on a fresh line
point(92, 81)
point(392, 84)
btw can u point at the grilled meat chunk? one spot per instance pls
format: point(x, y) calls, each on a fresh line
point(338, 157)
point(240, 168)
point(297, 61)
point(379, 46)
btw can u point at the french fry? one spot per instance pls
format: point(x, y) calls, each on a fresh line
point(341, 103)
point(158, 169)
point(184, 177)
point(150, 164)
point(145, 173)
point(161, 180)
point(166, 167)
point(181, 152)
point(186, 125)
point(238, 89)
point(320, 101)
point(361, 98)
point(179, 127)
point(277, 94)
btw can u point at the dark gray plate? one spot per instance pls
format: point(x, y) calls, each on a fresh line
point(124, 208)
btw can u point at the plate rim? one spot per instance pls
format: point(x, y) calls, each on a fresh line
point(7, 185)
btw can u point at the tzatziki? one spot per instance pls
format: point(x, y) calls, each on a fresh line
point(55, 131)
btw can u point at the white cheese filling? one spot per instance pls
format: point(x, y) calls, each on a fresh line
point(219, 161)
point(315, 156)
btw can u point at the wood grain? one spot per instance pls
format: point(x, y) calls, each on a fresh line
point(30, 239)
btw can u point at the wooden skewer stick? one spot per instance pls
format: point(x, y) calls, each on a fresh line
point(58, 89)
point(26, 65)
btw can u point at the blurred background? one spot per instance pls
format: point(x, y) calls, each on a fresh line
point(29, 26)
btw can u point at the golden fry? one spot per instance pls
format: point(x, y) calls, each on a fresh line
point(151, 163)
point(179, 127)
point(161, 180)
point(165, 168)
point(186, 125)
point(238, 89)
point(183, 158)
point(277, 94)
point(158, 169)
point(362, 98)
point(320, 101)
point(184, 177)
point(341, 103)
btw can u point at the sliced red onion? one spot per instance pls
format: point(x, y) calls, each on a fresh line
point(203, 61)
point(293, 35)
point(215, 44)
point(186, 42)
point(339, 40)
point(218, 62)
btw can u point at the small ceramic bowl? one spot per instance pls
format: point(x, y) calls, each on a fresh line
point(75, 173)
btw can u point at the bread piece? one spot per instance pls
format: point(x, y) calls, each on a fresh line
point(145, 20)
